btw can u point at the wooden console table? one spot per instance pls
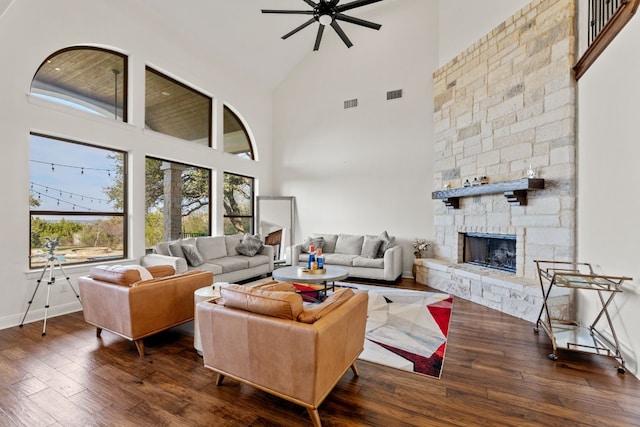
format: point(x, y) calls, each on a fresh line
point(515, 191)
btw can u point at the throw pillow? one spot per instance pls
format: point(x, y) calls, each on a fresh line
point(175, 249)
point(318, 242)
point(191, 254)
point(349, 244)
point(370, 247)
point(387, 242)
point(250, 245)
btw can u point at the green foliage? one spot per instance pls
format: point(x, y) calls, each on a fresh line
point(237, 201)
point(196, 224)
point(115, 192)
point(154, 223)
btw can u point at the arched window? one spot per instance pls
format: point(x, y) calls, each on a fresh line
point(236, 137)
point(86, 78)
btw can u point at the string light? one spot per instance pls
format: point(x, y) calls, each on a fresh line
point(58, 201)
point(82, 168)
point(63, 192)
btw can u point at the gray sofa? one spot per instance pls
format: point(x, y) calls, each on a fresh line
point(365, 256)
point(218, 255)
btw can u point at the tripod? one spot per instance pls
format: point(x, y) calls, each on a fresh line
point(52, 263)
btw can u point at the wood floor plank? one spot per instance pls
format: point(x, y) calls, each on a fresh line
point(496, 373)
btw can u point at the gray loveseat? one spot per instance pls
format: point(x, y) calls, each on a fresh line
point(365, 256)
point(218, 255)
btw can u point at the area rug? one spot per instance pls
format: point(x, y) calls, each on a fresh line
point(406, 329)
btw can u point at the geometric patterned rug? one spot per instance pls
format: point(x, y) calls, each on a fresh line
point(406, 329)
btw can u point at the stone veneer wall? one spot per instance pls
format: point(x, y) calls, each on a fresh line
point(507, 102)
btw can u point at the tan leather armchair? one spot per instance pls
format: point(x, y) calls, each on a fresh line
point(269, 340)
point(117, 299)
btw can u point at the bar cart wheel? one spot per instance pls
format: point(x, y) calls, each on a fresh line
point(553, 357)
point(621, 370)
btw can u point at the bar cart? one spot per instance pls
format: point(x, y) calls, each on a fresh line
point(568, 334)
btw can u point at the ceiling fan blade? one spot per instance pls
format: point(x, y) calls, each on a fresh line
point(358, 21)
point(341, 33)
point(310, 3)
point(355, 4)
point(292, 32)
point(289, 12)
point(318, 37)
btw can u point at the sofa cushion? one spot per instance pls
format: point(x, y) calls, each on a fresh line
point(329, 242)
point(349, 244)
point(254, 261)
point(162, 248)
point(232, 241)
point(339, 259)
point(119, 274)
point(318, 242)
point(387, 242)
point(210, 266)
point(361, 261)
point(314, 313)
point(250, 245)
point(192, 255)
point(211, 247)
point(230, 264)
point(284, 305)
point(370, 247)
point(161, 270)
point(275, 285)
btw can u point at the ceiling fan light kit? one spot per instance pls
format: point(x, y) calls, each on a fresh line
point(329, 12)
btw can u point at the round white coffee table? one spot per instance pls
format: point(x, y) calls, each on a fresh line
point(297, 274)
point(202, 294)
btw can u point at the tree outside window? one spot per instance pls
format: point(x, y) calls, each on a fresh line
point(238, 204)
point(177, 201)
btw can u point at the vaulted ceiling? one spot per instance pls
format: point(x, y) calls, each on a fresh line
point(238, 31)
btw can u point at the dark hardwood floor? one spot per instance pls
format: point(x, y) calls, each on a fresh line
point(496, 373)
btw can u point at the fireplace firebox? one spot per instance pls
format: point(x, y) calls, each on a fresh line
point(497, 251)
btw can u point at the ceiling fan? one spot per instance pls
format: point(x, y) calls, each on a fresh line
point(329, 12)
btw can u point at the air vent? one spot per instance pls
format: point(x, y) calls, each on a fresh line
point(394, 94)
point(351, 103)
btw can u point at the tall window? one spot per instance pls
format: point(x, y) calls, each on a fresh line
point(86, 78)
point(238, 204)
point(177, 201)
point(77, 199)
point(175, 109)
point(236, 137)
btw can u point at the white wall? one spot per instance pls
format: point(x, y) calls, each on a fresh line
point(366, 169)
point(608, 178)
point(31, 30)
point(463, 22)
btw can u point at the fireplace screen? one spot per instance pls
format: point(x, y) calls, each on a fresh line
point(496, 251)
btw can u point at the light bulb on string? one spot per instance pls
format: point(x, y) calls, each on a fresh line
point(81, 171)
point(53, 169)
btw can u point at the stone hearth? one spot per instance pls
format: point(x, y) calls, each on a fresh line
point(520, 298)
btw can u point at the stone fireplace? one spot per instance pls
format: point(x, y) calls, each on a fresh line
point(503, 108)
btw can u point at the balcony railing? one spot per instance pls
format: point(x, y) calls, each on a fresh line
point(606, 20)
point(600, 12)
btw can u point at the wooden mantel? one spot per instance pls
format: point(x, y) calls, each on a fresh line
point(515, 191)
